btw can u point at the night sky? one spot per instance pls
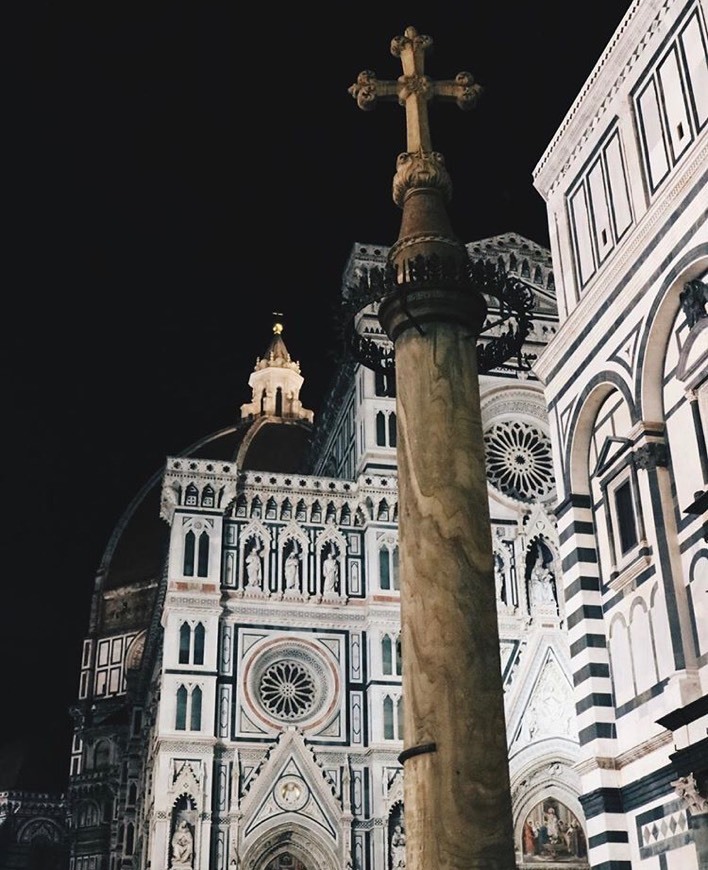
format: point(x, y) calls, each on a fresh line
point(174, 173)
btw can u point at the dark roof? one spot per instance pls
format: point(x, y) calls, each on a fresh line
point(138, 544)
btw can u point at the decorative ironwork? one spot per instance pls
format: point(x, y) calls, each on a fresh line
point(509, 302)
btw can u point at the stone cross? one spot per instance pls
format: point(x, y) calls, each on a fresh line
point(413, 89)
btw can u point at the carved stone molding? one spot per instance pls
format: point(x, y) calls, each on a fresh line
point(422, 169)
point(651, 455)
point(687, 789)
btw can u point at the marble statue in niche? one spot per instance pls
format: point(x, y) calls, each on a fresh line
point(398, 848)
point(292, 570)
point(254, 568)
point(541, 582)
point(330, 574)
point(182, 846)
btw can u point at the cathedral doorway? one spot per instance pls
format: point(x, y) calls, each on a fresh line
point(289, 847)
point(286, 861)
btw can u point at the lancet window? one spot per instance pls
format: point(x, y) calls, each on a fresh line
point(393, 718)
point(199, 548)
point(188, 709)
point(391, 659)
point(191, 644)
point(191, 496)
point(388, 566)
point(386, 433)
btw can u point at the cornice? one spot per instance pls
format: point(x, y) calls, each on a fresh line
point(321, 617)
point(596, 96)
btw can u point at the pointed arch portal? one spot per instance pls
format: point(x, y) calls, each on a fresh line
point(286, 861)
point(289, 847)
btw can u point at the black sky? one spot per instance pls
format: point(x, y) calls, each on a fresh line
point(174, 173)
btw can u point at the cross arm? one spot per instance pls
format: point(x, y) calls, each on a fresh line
point(463, 89)
point(367, 89)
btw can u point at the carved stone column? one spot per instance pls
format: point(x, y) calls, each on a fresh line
point(456, 781)
point(456, 774)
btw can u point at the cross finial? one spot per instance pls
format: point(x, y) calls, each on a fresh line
point(414, 88)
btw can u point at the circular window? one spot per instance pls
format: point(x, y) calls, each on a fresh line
point(287, 690)
point(519, 461)
point(292, 681)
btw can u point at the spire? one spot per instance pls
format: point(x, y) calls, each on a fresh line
point(276, 382)
point(276, 352)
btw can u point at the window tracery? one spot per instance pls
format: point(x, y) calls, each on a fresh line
point(519, 460)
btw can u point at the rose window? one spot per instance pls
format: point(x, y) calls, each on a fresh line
point(519, 461)
point(287, 690)
point(291, 681)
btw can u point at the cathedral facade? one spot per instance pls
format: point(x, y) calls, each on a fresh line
point(240, 702)
point(626, 379)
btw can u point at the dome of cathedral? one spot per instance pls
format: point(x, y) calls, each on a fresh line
point(273, 434)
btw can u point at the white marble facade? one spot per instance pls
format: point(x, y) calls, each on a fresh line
point(299, 682)
point(624, 179)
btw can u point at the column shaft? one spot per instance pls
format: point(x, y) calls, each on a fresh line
point(457, 799)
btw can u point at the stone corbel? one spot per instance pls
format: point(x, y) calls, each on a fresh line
point(653, 454)
point(687, 789)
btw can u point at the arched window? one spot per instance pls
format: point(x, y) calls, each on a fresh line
point(388, 567)
point(626, 517)
point(190, 495)
point(381, 429)
point(386, 655)
point(88, 815)
point(102, 755)
point(388, 718)
point(399, 657)
point(129, 838)
point(199, 644)
point(384, 568)
point(399, 718)
point(132, 794)
point(185, 634)
point(279, 402)
point(385, 385)
point(392, 430)
point(191, 644)
point(195, 719)
point(203, 563)
point(181, 714)
point(208, 496)
point(189, 546)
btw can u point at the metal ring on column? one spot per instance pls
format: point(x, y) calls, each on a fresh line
point(512, 306)
point(422, 749)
